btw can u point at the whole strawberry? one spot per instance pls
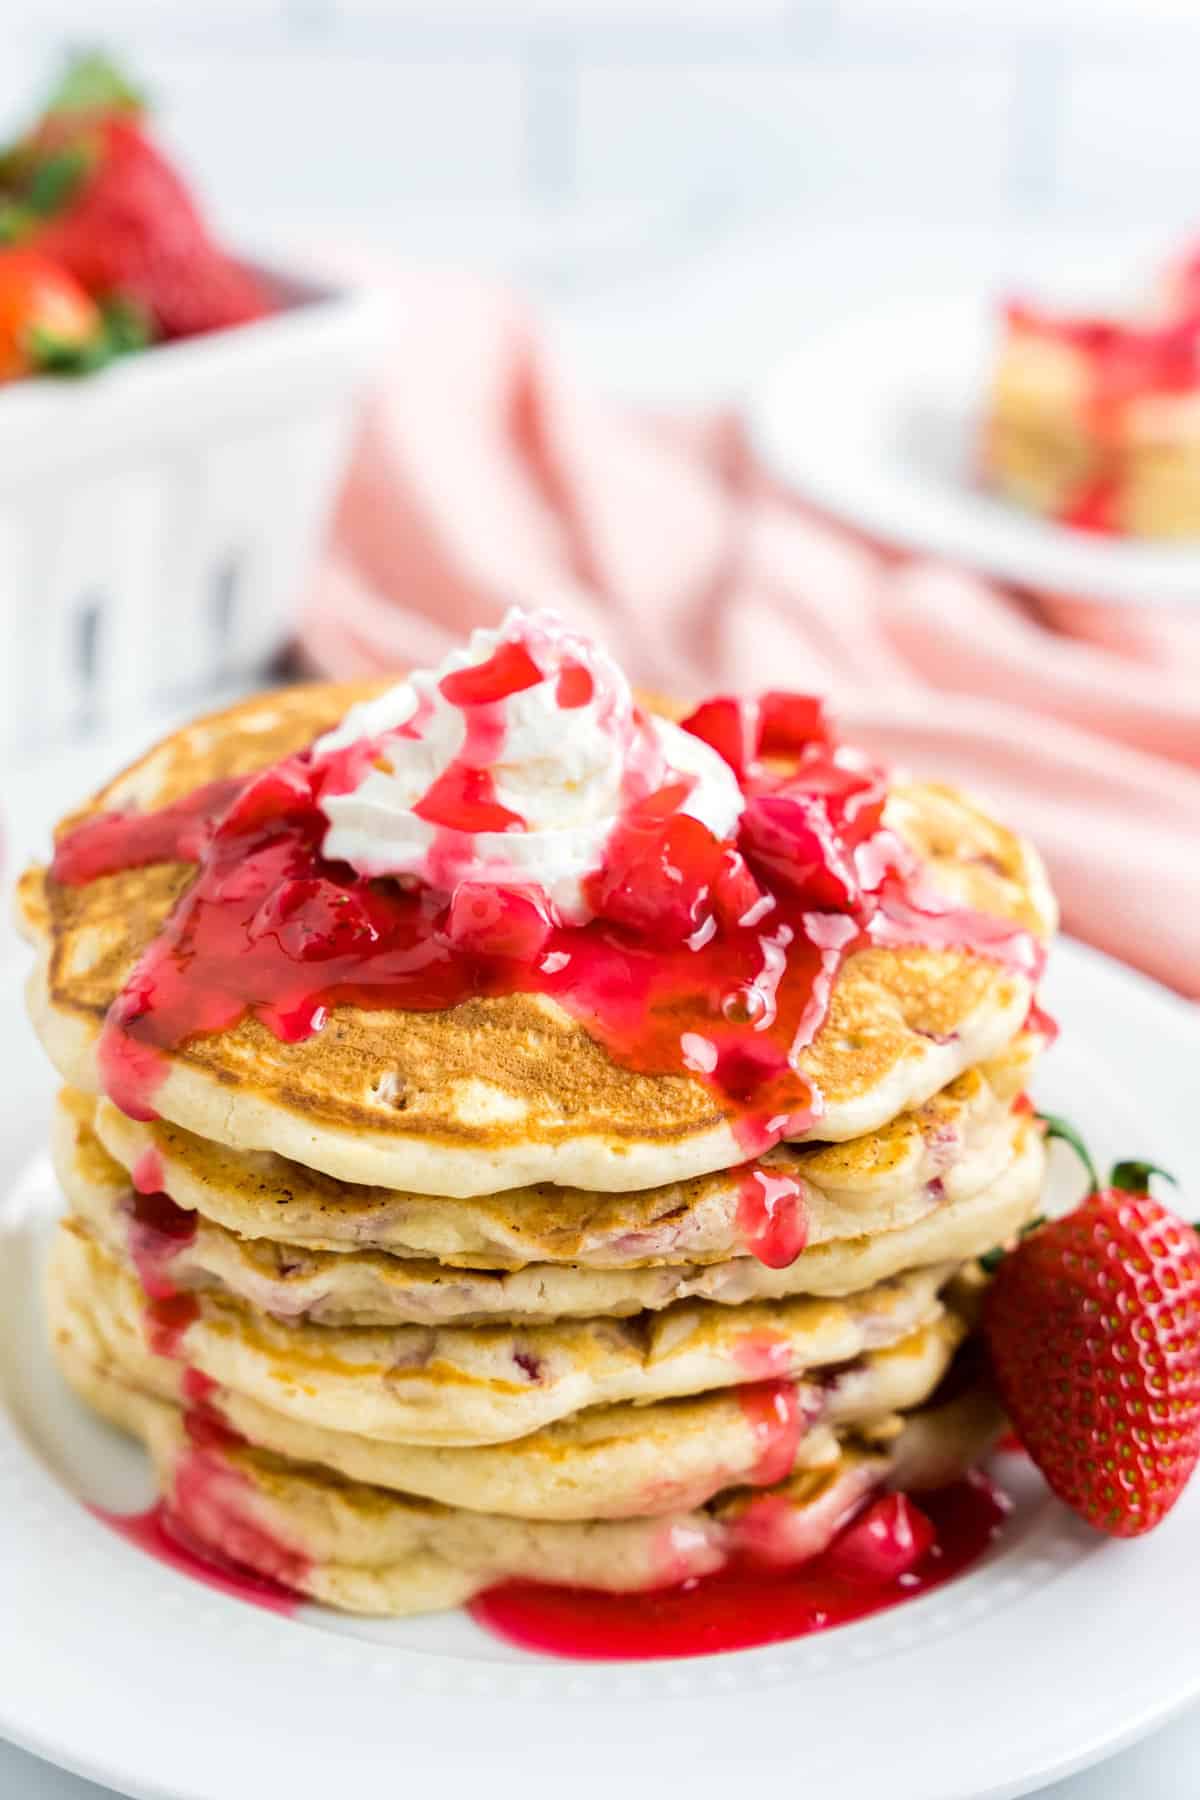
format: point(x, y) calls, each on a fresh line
point(47, 321)
point(127, 226)
point(88, 187)
point(1093, 1329)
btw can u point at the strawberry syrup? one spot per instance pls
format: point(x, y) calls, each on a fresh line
point(269, 927)
point(203, 1529)
point(159, 1533)
point(114, 842)
point(157, 1230)
point(166, 1322)
point(745, 1604)
point(776, 1416)
point(772, 1219)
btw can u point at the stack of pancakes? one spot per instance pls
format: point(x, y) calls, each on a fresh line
point(428, 1300)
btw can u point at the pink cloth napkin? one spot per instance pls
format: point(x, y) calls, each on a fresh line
point(485, 474)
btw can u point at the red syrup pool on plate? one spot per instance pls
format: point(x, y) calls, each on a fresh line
point(744, 1605)
point(158, 1533)
point(271, 928)
point(208, 1528)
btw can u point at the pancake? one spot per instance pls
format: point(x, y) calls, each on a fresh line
point(492, 1383)
point(608, 1462)
point(366, 1550)
point(371, 1287)
point(502, 1091)
point(952, 1146)
point(960, 1140)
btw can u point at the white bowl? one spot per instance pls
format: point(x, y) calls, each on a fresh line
point(158, 519)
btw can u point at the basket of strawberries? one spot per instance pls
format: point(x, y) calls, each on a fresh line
point(173, 419)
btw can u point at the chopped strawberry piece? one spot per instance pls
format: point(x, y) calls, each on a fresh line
point(789, 837)
point(789, 723)
point(464, 799)
point(736, 896)
point(575, 686)
point(883, 1543)
point(658, 873)
point(315, 920)
point(731, 726)
point(659, 807)
point(494, 921)
point(803, 833)
point(853, 788)
point(509, 670)
point(278, 793)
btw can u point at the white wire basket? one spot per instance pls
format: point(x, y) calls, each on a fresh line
point(158, 520)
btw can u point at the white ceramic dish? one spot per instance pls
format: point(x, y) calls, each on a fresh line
point(875, 421)
point(158, 520)
point(1054, 1652)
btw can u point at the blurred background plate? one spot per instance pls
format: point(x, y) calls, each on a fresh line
point(875, 420)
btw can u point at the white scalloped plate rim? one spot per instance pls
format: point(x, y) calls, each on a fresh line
point(874, 419)
point(111, 1664)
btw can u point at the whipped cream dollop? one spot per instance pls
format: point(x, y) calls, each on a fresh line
point(511, 763)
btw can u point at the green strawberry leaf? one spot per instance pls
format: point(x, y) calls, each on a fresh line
point(16, 222)
point(1066, 1133)
point(1134, 1177)
point(56, 181)
point(990, 1261)
point(52, 355)
point(127, 324)
point(92, 82)
point(125, 328)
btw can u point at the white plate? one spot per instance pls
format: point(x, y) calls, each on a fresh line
point(876, 421)
point(121, 1669)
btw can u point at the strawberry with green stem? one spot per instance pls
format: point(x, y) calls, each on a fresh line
point(89, 188)
point(47, 321)
point(1092, 1324)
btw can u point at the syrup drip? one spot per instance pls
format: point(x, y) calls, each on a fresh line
point(1039, 1022)
point(147, 1172)
point(198, 1389)
point(269, 927)
point(776, 1417)
point(763, 1354)
point(165, 1324)
point(772, 1219)
point(113, 842)
point(745, 1604)
point(157, 1231)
